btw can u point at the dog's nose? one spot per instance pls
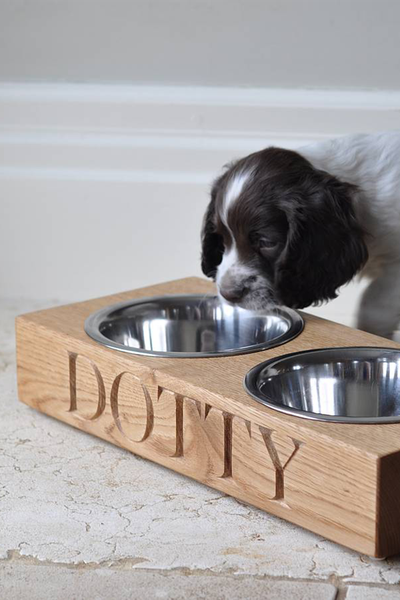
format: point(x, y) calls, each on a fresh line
point(233, 294)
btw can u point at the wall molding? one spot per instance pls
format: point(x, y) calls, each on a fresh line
point(168, 134)
point(217, 96)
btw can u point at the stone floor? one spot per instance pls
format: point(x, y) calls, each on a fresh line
point(81, 519)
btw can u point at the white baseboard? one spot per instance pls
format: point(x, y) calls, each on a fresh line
point(168, 134)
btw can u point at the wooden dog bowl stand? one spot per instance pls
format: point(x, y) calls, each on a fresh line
point(193, 416)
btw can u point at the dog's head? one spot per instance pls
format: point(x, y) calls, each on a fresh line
point(279, 231)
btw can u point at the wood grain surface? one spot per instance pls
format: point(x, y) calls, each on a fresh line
point(193, 416)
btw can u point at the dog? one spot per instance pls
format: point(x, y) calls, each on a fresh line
point(290, 228)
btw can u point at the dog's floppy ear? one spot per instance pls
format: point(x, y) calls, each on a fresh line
point(325, 247)
point(212, 242)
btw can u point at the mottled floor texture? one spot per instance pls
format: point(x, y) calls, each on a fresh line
point(81, 519)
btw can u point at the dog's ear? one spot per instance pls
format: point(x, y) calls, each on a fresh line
point(211, 241)
point(325, 246)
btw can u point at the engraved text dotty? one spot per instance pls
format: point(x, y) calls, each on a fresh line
point(222, 434)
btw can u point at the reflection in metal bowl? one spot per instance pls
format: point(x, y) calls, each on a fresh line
point(349, 385)
point(190, 326)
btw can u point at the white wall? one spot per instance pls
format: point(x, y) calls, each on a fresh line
point(260, 43)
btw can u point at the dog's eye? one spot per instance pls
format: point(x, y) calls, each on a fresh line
point(264, 243)
point(267, 247)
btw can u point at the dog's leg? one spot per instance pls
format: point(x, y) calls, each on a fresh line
point(379, 310)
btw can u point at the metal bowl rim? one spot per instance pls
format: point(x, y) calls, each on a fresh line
point(250, 380)
point(93, 321)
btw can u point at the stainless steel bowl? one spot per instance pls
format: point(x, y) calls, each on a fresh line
point(347, 385)
point(190, 326)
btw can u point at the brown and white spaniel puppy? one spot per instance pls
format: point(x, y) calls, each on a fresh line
point(289, 228)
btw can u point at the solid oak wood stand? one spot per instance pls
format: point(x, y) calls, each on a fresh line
point(193, 416)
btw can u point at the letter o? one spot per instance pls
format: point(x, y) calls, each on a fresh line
point(115, 408)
